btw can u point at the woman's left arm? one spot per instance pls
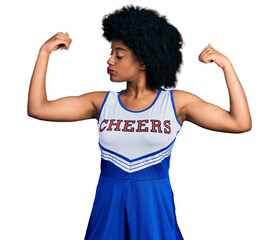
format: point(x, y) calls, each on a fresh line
point(196, 110)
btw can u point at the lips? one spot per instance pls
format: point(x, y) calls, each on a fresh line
point(109, 71)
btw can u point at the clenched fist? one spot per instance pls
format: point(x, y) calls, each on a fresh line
point(209, 54)
point(59, 40)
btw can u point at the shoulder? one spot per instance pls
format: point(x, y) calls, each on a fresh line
point(97, 98)
point(183, 101)
point(181, 98)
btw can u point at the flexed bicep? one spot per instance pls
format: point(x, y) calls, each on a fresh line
point(194, 109)
point(71, 108)
point(207, 115)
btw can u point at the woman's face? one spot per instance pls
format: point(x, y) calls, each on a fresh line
point(123, 63)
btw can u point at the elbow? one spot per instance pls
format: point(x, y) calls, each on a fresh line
point(32, 113)
point(36, 112)
point(247, 128)
point(29, 112)
point(244, 127)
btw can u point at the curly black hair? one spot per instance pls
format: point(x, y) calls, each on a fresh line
point(155, 42)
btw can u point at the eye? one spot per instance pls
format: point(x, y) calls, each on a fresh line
point(118, 57)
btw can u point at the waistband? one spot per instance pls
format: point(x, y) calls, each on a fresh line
point(157, 171)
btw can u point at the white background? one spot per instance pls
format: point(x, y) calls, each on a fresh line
point(225, 185)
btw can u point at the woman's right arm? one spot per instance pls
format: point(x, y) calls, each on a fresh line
point(72, 108)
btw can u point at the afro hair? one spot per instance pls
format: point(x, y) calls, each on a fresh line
point(155, 42)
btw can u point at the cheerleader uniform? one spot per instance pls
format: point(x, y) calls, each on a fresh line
point(134, 198)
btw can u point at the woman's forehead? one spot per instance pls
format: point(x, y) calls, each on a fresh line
point(119, 44)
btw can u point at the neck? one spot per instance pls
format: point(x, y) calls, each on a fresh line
point(138, 90)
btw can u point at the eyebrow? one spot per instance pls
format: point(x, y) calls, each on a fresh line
point(120, 48)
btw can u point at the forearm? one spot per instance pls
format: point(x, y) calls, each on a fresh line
point(37, 89)
point(239, 109)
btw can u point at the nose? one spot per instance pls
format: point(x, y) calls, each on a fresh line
point(110, 61)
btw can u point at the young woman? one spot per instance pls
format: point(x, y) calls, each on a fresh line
point(138, 126)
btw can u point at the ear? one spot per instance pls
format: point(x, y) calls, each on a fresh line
point(143, 67)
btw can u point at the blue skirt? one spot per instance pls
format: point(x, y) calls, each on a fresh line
point(129, 209)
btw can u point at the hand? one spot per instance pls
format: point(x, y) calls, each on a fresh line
point(209, 54)
point(59, 40)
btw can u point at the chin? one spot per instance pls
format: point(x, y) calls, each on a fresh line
point(112, 79)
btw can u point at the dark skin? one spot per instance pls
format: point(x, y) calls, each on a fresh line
point(137, 96)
